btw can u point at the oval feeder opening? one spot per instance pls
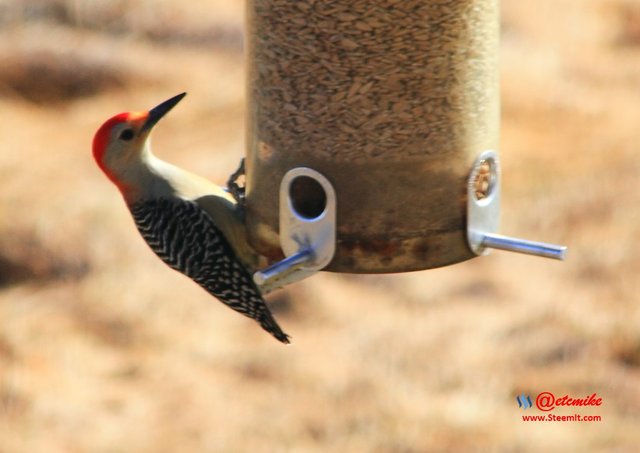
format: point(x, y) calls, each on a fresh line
point(485, 179)
point(308, 198)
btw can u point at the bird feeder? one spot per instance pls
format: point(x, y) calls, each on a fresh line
point(395, 105)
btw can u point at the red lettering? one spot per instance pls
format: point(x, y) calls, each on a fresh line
point(546, 401)
point(593, 401)
point(590, 400)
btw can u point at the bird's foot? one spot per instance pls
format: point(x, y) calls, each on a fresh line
point(236, 190)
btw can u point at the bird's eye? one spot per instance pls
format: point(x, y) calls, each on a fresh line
point(126, 134)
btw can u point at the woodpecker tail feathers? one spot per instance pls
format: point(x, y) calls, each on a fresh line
point(269, 324)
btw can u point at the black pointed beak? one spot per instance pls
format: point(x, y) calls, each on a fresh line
point(160, 110)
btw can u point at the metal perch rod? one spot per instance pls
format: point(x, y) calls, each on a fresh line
point(544, 250)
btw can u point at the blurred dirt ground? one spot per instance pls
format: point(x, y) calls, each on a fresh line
point(103, 349)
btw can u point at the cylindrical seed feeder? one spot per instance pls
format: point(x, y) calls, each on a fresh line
point(392, 101)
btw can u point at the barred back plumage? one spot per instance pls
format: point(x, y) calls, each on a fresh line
point(184, 236)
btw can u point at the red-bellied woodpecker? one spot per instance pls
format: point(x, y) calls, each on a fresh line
point(193, 225)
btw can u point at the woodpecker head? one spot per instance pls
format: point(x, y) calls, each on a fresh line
point(122, 139)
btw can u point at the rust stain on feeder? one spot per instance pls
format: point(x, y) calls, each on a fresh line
point(389, 100)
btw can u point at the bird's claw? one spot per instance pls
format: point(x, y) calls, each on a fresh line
point(237, 191)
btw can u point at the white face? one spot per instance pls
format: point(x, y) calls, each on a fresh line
point(124, 148)
point(119, 143)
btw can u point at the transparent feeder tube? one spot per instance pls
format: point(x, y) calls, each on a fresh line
point(392, 102)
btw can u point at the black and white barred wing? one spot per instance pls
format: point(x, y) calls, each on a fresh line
point(184, 237)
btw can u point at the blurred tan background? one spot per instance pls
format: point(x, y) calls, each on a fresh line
point(104, 349)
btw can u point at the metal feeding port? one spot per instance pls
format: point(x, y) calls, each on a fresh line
point(307, 229)
point(483, 214)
